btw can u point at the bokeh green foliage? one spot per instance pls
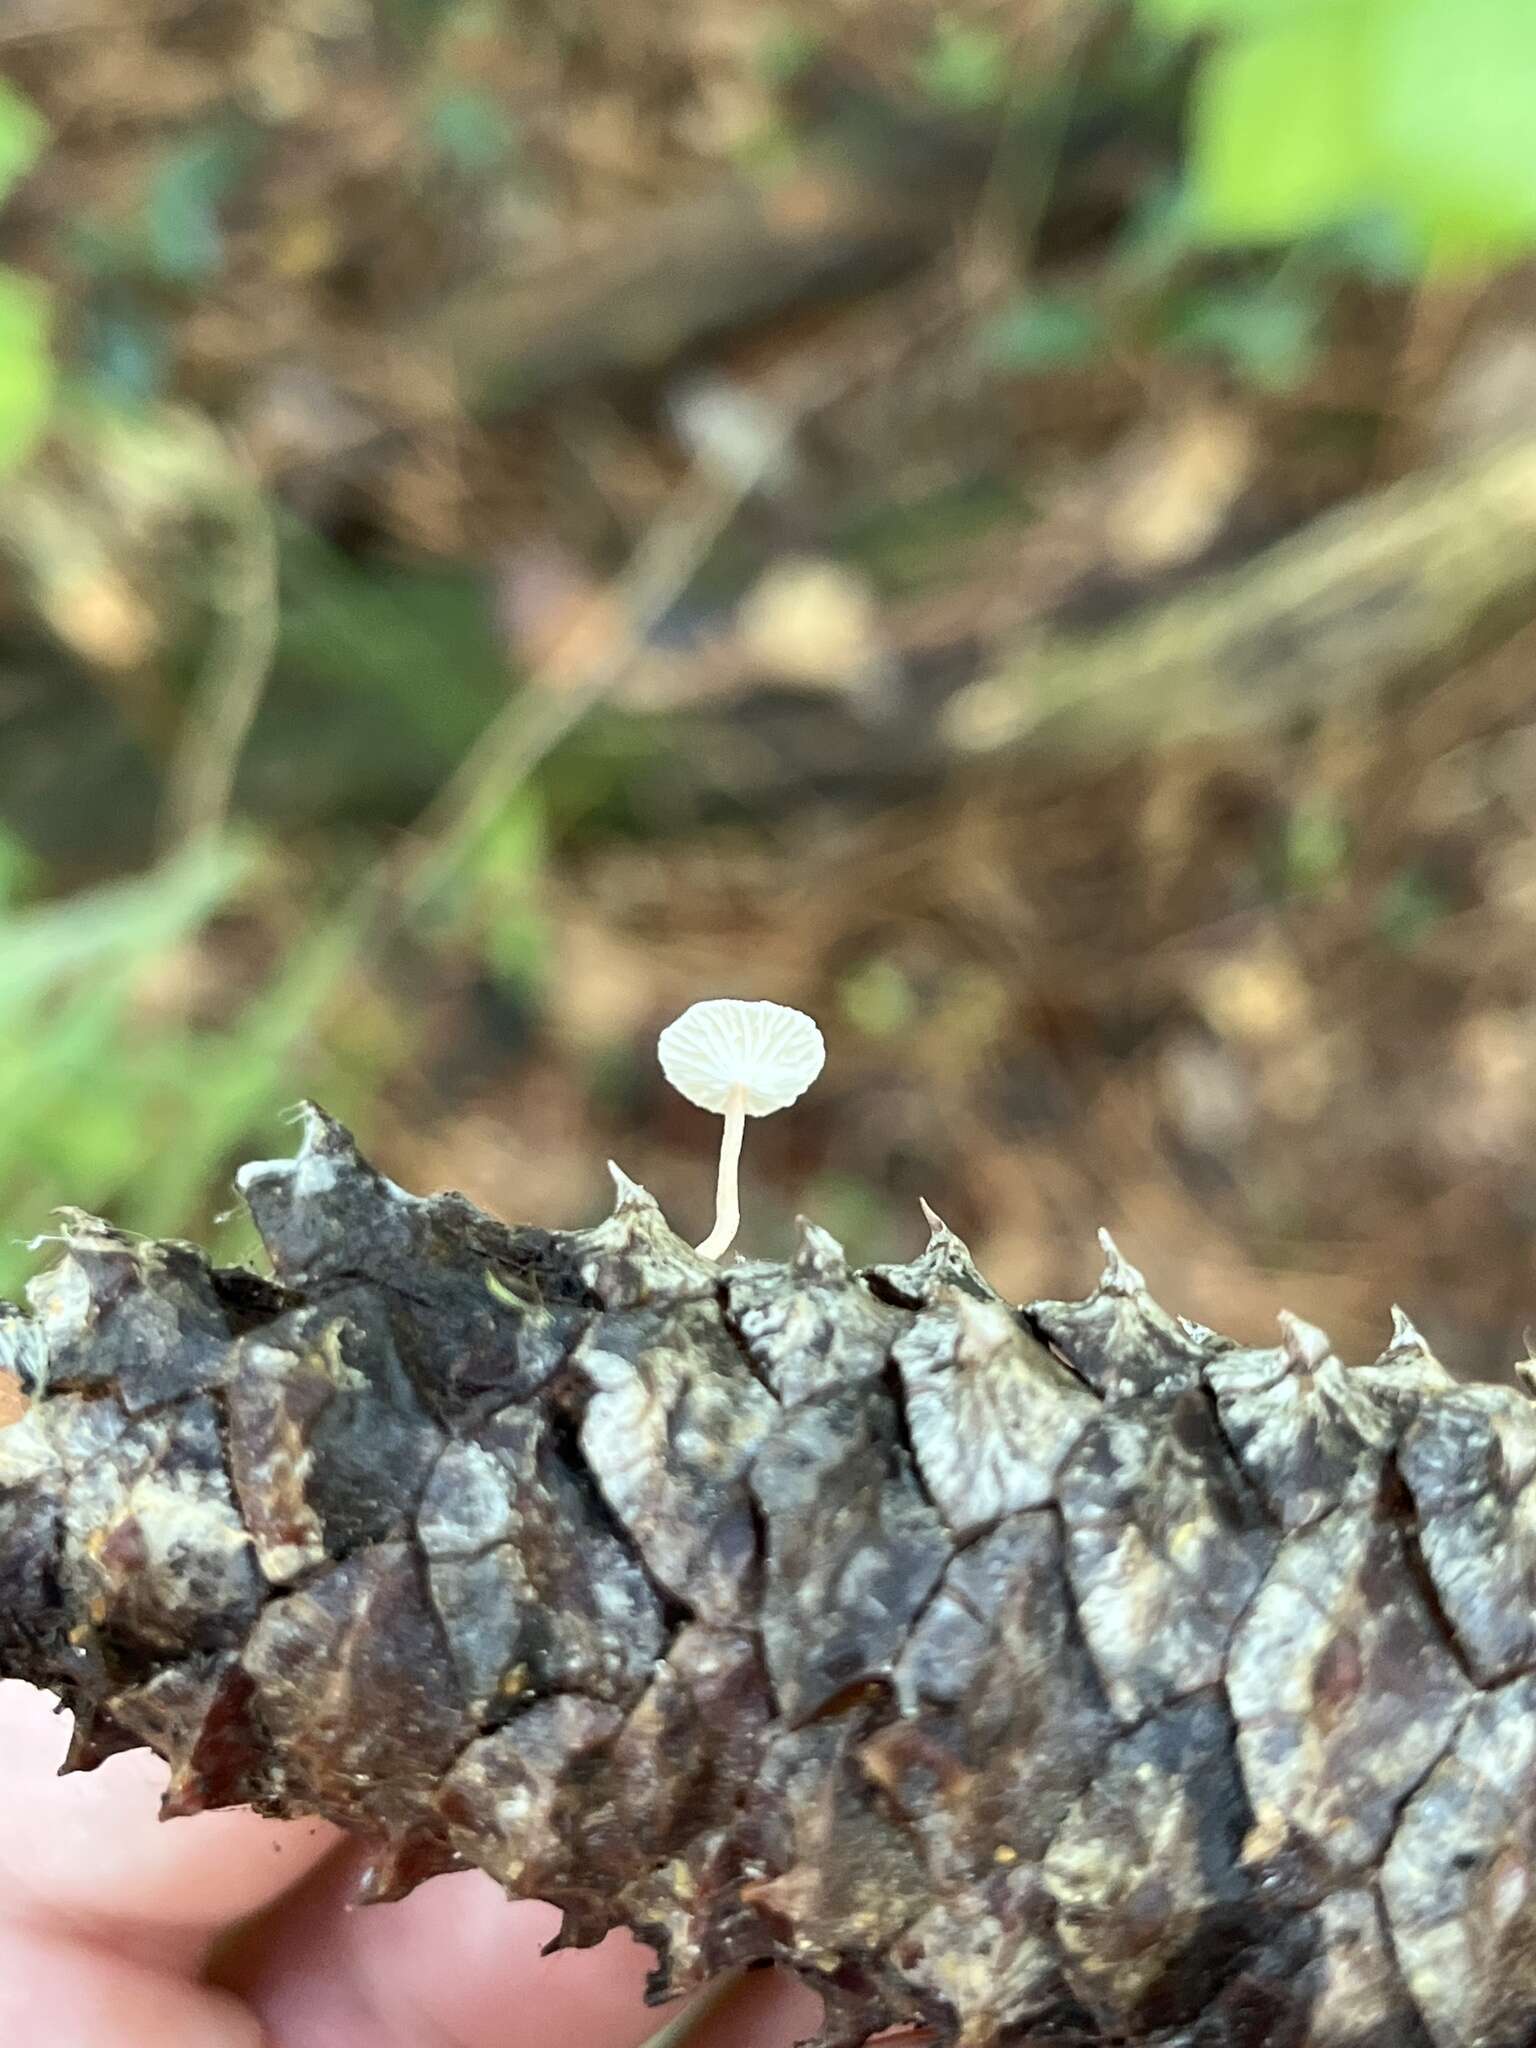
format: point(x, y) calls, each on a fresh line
point(1315, 115)
point(26, 355)
point(104, 1101)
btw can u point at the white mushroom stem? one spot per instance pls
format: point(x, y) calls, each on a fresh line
point(727, 1196)
point(738, 1059)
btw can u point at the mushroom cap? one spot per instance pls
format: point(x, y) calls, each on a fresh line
point(772, 1052)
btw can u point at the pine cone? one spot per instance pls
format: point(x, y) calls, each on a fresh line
point(1056, 1675)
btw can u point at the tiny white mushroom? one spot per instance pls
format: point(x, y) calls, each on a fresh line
point(739, 1059)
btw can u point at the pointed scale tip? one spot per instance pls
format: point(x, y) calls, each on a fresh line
point(1406, 1335)
point(397, 1865)
point(627, 1193)
point(633, 1255)
point(91, 1741)
point(946, 1259)
point(945, 1240)
point(1119, 1275)
point(374, 1885)
point(1303, 1343)
point(318, 1131)
point(185, 1796)
point(817, 1254)
point(321, 1133)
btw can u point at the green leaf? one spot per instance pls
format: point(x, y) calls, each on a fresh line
point(496, 892)
point(1317, 847)
point(226, 1083)
point(1309, 117)
point(369, 630)
point(115, 925)
point(518, 949)
point(1408, 909)
point(1268, 333)
point(787, 49)
point(1281, 142)
point(515, 843)
point(123, 353)
point(1382, 247)
point(1160, 231)
point(1041, 331)
point(19, 869)
point(1456, 113)
point(877, 999)
point(27, 375)
point(85, 1099)
point(23, 132)
point(965, 66)
point(1186, 17)
point(471, 131)
point(183, 236)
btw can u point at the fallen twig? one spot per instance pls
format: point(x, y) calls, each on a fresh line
point(1395, 589)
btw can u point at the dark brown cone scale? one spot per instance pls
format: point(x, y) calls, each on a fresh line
point(1054, 1676)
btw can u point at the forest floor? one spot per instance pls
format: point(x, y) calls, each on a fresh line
point(1264, 1004)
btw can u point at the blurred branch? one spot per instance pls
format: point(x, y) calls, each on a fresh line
point(46, 18)
point(142, 533)
point(878, 187)
point(1393, 589)
point(596, 656)
point(682, 275)
point(243, 593)
point(1388, 594)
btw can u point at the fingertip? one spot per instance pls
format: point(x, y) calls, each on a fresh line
point(57, 1993)
point(89, 1852)
point(459, 1958)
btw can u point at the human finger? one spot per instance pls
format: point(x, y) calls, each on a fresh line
point(57, 1992)
point(456, 1963)
point(88, 1855)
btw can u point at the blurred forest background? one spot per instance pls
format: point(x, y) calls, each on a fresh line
point(1010, 527)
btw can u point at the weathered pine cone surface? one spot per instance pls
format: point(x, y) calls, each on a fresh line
point(1064, 1675)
